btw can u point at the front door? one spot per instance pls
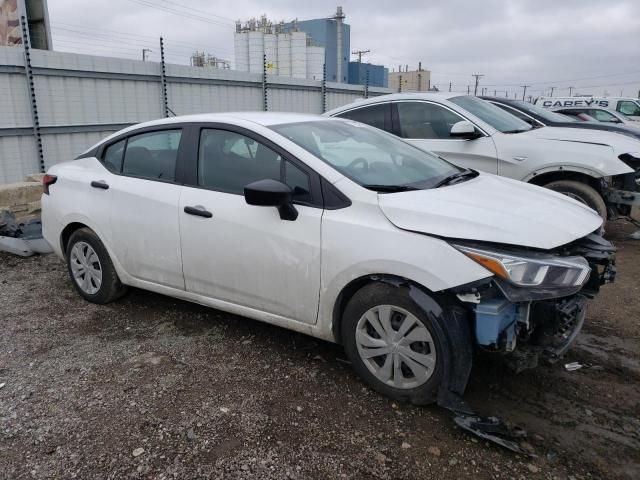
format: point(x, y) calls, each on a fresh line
point(428, 126)
point(243, 254)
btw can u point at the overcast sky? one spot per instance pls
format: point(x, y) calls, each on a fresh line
point(593, 45)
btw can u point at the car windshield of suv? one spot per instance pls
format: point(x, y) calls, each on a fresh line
point(370, 157)
point(541, 112)
point(494, 116)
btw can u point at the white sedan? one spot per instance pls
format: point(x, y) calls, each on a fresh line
point(334, 229)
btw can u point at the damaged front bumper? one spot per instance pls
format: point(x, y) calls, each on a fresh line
point(622, 192)
point(528, 326)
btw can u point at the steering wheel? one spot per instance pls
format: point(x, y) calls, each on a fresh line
point(358, 161)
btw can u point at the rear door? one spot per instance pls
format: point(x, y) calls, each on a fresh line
point(428, 126)
point(243, 254)
point(145, 195)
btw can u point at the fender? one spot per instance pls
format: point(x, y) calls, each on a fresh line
point(562, 168)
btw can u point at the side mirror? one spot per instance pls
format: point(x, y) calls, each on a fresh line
point(464, 129)
point(271, 193)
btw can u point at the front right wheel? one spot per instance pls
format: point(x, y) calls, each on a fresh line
point(392, 344)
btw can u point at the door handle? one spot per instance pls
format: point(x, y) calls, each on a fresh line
point(199, 211)
point(100, 184)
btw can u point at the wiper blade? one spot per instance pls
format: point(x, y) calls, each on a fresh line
point(518, 130)
point(468, 173)
point(390, 188)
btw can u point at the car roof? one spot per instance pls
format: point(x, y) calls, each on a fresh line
point(260, 118)
point(399, 96)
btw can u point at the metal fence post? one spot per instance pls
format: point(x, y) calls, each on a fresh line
point(163, 80)
point(26, 42)
point(399, 83)
point(265, 104)
point(366, 85)
point(324, 87)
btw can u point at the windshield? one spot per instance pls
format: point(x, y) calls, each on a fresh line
point(368, 156)
point(494, 116)
point(541, 112)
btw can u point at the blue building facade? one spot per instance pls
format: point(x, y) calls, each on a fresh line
point(378, 74)
point(323, 34)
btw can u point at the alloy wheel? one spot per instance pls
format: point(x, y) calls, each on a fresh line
point(86, 268)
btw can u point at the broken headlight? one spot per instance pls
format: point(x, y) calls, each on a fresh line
point(531, 270)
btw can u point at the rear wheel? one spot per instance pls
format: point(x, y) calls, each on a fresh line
point(91, 269)
point(581, 192)
point(392, 344)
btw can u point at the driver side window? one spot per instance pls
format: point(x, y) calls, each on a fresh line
point(422, 120)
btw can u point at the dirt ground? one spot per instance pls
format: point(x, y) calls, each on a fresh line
point(151, 387)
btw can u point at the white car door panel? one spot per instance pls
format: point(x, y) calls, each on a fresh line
point(428, 125)
point(144, 206)
point(245, 254)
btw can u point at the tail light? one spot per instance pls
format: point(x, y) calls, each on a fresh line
point(47, 181)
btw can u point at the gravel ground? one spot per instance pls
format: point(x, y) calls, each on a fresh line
point(151, 387)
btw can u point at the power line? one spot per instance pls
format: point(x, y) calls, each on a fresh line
point(359, 53)
point(182, 13)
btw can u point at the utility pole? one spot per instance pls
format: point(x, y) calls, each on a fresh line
point(144, 53)
point(468, 90)
point(478, 77)
point(524, 92)
point(571, 90)
point(552, 89)
point(359, 53)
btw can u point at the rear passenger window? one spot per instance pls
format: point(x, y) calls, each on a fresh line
point(112, 157)
point(152, 155)
point(373, 115)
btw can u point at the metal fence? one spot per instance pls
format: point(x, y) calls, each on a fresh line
point(75, 100)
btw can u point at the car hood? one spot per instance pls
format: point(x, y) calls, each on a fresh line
point(489, 208)
point(619, 143)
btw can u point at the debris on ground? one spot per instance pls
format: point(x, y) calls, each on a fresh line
point(21, 237)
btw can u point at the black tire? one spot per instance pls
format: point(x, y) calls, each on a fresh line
point(582, 192)
point(111, 287)
point(382, 294)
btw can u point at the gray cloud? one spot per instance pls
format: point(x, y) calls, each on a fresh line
point(542, 43)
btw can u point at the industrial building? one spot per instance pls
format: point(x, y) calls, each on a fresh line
point(288, 53)
point(414, 81)
point(368, 74)
point(332, 34)
point(202, 59)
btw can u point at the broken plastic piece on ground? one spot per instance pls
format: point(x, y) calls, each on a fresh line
point(570, 367)
point(21, 238)
point(494, 430)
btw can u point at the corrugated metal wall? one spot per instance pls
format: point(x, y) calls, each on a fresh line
point(83, 98)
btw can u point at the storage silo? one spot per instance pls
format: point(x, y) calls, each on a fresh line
point(241, 49)
point(256, 51)
point(315, 62)
point(271, 51)
point(298, 54)
point(284, 54)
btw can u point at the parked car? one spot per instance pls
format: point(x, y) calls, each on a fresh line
point(333, 229)
point(625, 105)
point(600, 169)
point(541, 117)
point(602, 115)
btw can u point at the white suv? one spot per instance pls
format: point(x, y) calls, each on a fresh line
point(334, 229)
point(599, 169)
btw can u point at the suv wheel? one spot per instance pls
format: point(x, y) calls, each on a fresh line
point(392, 344)
point(91, 269)
point(581, 192)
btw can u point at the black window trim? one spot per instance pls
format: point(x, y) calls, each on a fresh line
point(395, 116)
point(511, 107)
point(193, 148)
point(388, 121)
point(179, 171)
